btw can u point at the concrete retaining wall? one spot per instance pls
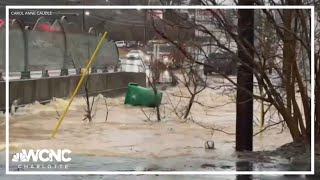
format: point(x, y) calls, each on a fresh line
point(44, 89)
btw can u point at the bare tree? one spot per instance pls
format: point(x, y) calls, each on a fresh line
point(108, 109)
point(295, 84)
point(89, 114)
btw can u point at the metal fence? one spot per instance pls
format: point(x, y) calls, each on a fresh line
point(59, 49)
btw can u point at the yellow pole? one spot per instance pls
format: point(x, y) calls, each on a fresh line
point(79, 83)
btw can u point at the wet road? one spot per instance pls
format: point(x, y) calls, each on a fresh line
point(92, 163)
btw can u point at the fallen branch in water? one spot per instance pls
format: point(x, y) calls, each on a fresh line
point(267, 127)
point(212, 128)
point(148, 116)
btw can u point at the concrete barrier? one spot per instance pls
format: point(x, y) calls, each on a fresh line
point(44, 89)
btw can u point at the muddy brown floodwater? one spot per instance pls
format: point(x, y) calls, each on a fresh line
point(128, 135)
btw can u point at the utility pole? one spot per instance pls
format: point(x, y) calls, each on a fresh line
point(244, 119)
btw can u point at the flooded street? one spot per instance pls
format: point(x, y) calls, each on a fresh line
point(172, 90)
point(131, 139)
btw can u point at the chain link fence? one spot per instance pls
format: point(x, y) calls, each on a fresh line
point(61, 47)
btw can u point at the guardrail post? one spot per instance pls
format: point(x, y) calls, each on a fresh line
point(105, 69)
point(45, 73)
point(78, 71)
point(64, 72)
point(25, 75)
point(94, 70)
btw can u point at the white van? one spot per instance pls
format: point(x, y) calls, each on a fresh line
point(121, 44)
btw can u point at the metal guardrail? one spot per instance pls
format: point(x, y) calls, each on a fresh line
point(123, 67)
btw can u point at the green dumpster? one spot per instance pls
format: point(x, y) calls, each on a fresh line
point(140, 96)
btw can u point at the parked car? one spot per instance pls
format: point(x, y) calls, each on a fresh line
point(139, 43)
point(136, 53)
point(220, 63)
point(131, 44)
point(121, 44)
point(133, 58)
point(139, 54)
point(132, 64)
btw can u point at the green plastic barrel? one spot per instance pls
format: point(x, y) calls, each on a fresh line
point(141, 96)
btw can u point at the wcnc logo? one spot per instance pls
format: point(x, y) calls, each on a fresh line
point(44, 156)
